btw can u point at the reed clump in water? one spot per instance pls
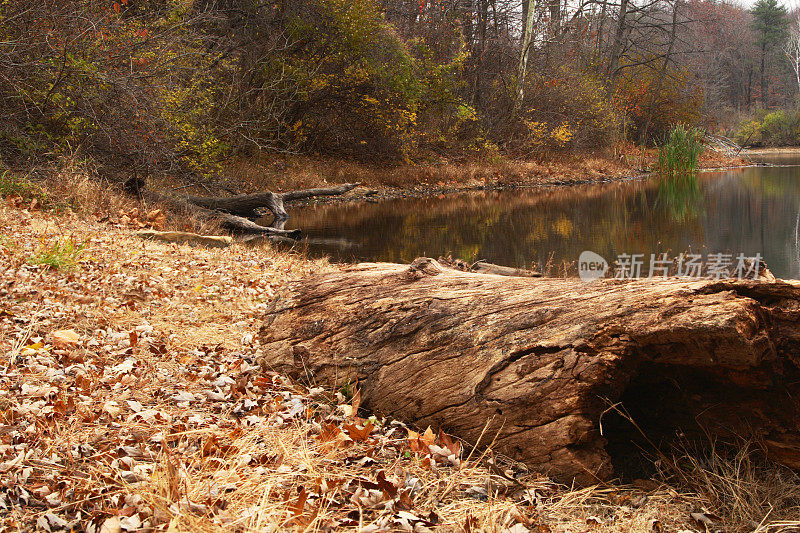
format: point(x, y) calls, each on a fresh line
point(679, 155)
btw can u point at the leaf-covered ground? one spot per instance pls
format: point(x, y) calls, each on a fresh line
point(130, 399)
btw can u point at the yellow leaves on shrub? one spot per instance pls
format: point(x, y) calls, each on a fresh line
point(540, 135)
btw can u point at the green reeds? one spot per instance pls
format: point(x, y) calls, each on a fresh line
point(679, 155)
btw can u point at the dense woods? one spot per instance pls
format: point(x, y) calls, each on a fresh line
point(186, 87)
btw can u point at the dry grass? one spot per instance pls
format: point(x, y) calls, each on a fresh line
point(298, 172)
point(739, 484)
point(303, 172)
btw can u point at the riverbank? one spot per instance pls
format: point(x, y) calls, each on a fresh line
point(415, 181)
point(131, 399)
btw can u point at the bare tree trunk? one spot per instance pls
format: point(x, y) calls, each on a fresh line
point(792, 49)
point(483, 15)
point(600, 28)
point(527, 37)
point(541, 360)
point(616, 47)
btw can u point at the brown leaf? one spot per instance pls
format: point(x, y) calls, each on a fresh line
point(428, 437)
point(134, 337)
point(299, 504)
point(210, 446)
point(594, 521)
point(702, 519)
point(470, 524)
point(385, 485)
point(415, 443)
point(359, 434)
point(157, 218)
point(449, 443)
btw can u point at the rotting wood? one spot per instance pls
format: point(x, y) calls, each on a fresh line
point(541, 359)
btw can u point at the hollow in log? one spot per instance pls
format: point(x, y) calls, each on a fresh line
point(541, 361)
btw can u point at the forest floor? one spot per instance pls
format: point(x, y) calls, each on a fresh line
point(130, 399)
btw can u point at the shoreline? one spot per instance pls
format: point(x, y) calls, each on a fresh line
point(367, 193)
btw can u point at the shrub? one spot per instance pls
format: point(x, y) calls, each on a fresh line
point(584, 119)
point(777, 128)
point(780, 128)
point(749, 134)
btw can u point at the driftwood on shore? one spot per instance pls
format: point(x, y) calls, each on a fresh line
point(249, 205)
point(540, 365)
point(236, 212)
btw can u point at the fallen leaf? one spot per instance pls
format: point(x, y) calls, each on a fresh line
point(299, 504)
point(702, 519)
point(594, 521)
point(356, 403)
point(65, 337)
point(359, 434)
point(112, 408)
point(157, 218)
point(111, 525)
point(428, 437)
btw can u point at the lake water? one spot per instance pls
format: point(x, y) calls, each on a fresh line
point(750, 210)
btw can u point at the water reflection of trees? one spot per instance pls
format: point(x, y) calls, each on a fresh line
point(734, 211)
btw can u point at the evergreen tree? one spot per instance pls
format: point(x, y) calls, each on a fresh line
point(770, 23)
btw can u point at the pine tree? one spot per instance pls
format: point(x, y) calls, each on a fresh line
point(770, 22)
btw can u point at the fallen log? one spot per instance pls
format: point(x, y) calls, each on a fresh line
point(228, 220)
point(545, 362)
point(185, 237)
point(248, 205)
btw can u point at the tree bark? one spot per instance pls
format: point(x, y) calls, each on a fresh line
point(540, 360)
